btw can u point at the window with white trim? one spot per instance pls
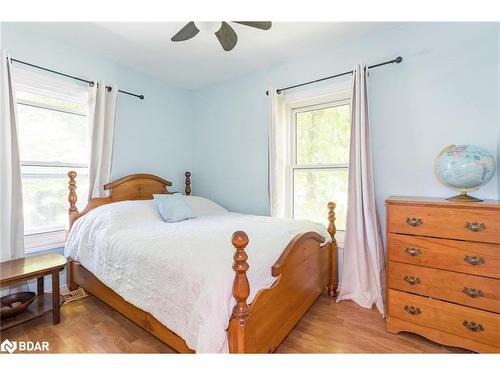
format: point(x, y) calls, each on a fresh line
point(319, 133)
point(53, 139)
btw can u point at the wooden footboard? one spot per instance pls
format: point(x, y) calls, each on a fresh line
point(303, 273)
point(304, 270)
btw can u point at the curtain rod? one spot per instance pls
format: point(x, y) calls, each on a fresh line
point(90, 83)
point(397, 60)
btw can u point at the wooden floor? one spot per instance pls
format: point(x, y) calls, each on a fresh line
point(90, 326)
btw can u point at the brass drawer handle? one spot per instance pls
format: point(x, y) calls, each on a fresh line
point(414, 221)
point(413, 251)
point(473, 292)
point(412, 280)
point(412, 310)
point(474, 260)
point(473, 326)
point(475, 227)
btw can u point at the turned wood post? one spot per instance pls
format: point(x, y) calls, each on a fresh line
point(241, 291)
point(72, 198)
point(188, 183)
point(332, 285)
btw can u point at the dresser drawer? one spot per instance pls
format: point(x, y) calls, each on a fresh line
point(468, 290)
point(477, 325)
point(468, 257)
point(482, 225)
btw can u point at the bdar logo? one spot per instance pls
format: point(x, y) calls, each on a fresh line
point(24, 346)
point(8, 346)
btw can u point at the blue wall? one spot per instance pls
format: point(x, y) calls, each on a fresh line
point(151, 135)
point(444, 92)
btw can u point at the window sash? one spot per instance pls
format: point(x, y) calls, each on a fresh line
point(49, 171)
point(40, 237)
point(292, 148)
point(42, 163)
point(293, 130)
point(308, 168)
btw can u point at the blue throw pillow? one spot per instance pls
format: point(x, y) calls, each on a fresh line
point(173, 207)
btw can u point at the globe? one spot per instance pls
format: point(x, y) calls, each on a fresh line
point(464, 168)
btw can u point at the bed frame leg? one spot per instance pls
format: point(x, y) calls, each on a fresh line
point(69, 276)
point(333, 283)
point(241, 291)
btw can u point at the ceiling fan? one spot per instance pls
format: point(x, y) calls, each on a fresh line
point(225, 34)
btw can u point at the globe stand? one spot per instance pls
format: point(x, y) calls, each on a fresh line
point(463, 197)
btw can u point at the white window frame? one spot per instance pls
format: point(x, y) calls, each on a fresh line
point(50, 237)
point(302, 103)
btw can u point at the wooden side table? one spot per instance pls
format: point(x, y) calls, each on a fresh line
point(17, 270)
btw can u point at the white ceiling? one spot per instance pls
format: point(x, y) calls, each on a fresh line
point(200, 61)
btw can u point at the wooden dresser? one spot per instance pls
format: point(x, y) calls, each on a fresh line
point(444, 271)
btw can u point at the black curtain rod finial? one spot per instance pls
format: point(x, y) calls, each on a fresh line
point(277, 92)
point(398, 59)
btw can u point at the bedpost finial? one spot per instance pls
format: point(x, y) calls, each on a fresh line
point(241, 287)
point(331, 221)
point(239, 240)
point(188, 183)
point(72, 198)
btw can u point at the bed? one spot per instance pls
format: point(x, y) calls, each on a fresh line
point(174, 280)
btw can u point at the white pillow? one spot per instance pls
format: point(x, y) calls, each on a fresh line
point(204, 207)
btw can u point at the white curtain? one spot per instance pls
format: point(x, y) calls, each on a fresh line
point(277, 154)
point(363, 275)
point(11, 201)
point(102, 124)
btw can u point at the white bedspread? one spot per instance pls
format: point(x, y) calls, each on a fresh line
point(180, 273)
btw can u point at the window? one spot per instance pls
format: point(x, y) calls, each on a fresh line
point(318, 158)
point(53, 139)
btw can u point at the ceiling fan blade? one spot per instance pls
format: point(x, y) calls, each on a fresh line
point(227, 37)
point(187, 32)
point(263, 25)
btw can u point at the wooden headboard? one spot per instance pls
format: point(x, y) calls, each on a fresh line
point(140, 186)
